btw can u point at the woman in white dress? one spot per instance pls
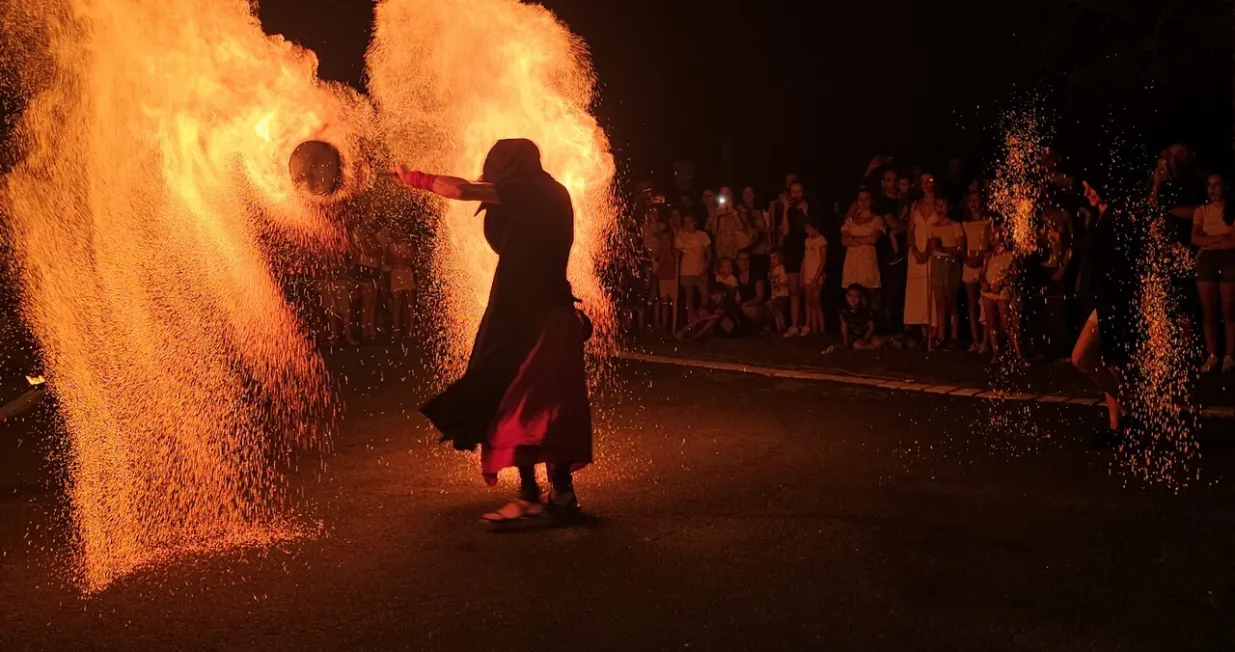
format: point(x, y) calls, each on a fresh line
point(917, 290)
point(859, 234)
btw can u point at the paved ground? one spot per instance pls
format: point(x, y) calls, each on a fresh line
point(957, 368)
point(728, 512)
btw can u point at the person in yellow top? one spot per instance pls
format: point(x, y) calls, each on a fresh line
point(946, 246)
point(1213, 233)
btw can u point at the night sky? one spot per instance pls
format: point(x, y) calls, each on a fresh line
point(820, 87)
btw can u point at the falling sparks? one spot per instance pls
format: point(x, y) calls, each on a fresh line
point(154, 157)
point(1017, 189)
point(449, 78)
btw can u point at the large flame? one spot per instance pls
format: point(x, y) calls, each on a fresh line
point(451, 77)
point(155, 152)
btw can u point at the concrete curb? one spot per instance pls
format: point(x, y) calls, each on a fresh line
point(1218, 412)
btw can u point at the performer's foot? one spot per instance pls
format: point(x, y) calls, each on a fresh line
point(792, 332)
point(562, 503)
point(1210, 365)
point(515, 510)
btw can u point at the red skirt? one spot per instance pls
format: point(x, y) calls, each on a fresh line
point(544, 416)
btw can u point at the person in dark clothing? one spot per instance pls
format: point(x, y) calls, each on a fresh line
point(523, 398)
point(1108, 286)
point(793, 229)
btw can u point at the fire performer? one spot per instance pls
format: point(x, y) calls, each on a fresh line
point(523, 398)
point(1108, 289)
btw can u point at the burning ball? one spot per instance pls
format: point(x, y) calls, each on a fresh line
point(316, 166)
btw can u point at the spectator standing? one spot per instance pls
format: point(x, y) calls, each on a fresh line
point(922, 217)
point(977, 244)
point(696, 258)
point(998, 273)
point(666, 280)
point(709, 207)
point(368, 270)
point(947, 246)
point(888, 204)
point(760, 225)
point(402, 286)
point(793, 230)
point(814, 264)
point(1214, 233)
point(778, 282)
point(859, 234)
point(776, 211)
point(1053, 269)
point(730, 231)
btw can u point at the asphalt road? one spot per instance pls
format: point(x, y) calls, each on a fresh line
point(726, 512)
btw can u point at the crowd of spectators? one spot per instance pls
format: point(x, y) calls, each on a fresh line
point(912, 259)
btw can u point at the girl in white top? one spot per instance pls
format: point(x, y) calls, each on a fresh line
point(1213, 232)
point(859, 234)
point(998, 272)
point(813, 264)
point(977, 243)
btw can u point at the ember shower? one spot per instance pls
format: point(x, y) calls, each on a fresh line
point(155, 152)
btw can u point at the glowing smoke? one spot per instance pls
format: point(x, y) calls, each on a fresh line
point(155, 153)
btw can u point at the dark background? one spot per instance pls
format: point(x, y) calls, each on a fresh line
point(820, 87)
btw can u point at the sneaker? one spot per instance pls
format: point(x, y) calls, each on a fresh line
point(1211, 364)
point(792, 332)
point(805, 331)
point(1228, 364)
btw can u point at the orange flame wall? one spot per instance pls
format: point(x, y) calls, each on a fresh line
point(155, 151)
point(451, 77)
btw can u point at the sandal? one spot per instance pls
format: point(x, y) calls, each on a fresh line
point(513, 511)
point(563, 503)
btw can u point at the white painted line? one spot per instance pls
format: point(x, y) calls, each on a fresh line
point(1221, 412)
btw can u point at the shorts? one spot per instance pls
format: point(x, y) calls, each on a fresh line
point(668, 288)
point(945, 273)
point(695, 281)
point(1215, 266)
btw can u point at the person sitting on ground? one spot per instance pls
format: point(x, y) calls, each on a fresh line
point(716, 313)
point(752, 291)
point(998, 280)
point(778, 281)
point(857, 322)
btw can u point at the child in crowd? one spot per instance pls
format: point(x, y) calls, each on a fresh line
point(998, 275)
point(857, 322)
point(666, 263)
point(947, 244)
point(977, 242)
point(696, 258)
point(814, 262)
point(778, 281)
point(725, 274)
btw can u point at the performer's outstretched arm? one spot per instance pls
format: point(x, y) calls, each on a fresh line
point(449, 187)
